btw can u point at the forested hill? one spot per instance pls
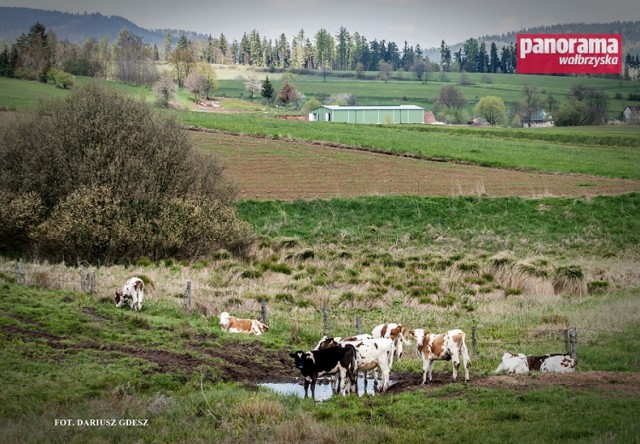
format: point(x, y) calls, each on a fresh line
point(76, 27)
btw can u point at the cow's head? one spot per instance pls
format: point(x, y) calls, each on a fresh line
point(327, 343)
point(300, 358)
point(418, 334)
point(118, 298)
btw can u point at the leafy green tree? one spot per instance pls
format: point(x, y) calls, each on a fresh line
point(35, 53)
point(60, 78)
point(492, 109)
point(267, 89)
point(182, 59)
point(445, 56)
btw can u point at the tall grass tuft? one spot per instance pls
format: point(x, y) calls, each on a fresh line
point(570, 280)
point(534, 276)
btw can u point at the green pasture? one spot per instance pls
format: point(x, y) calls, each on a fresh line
point(604, 151)
point(507, 86)
point(64, 356)
point(609, 225)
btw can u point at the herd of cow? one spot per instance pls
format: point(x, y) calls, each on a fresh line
point(343, 358)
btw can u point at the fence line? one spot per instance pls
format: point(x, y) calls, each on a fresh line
point(569, 336)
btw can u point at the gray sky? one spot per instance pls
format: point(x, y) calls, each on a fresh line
point(423, 22)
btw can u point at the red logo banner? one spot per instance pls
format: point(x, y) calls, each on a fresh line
point(569, 54)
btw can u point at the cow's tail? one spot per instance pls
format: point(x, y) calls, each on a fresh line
point(465, 352)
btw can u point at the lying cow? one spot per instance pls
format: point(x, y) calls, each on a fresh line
point(557, 363)
point(132, 292)
point(371, 354)
point(395, 332)
point(234, 325)
point(513, 364)
point(444, 346)
point(314, 363)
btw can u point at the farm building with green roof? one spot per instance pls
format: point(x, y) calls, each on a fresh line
point(368, 114)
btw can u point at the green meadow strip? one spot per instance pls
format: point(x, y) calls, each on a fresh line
point(610, 224)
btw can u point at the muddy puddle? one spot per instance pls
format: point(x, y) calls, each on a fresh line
point(323, 388)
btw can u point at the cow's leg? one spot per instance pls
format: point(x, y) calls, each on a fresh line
point(314, 379)
point(430, 369)
point(306, 387)
point(384, 369)
point(425, 367)
point(352, 374)
point(466, 361)
point(342, 385)
point(455, 363)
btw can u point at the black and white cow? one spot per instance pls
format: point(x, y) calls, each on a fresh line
point(327, 361)
point(557, 363)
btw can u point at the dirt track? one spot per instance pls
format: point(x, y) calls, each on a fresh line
point(276, 169)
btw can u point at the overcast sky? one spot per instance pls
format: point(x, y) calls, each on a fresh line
point(423, 22)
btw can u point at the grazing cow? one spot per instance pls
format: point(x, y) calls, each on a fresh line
point(371, 354)
point(393, 331)
point(234, 325)
point(513, 364)
point(443, 346)
point(132, 292)
point(557, 363)
point(327, 361)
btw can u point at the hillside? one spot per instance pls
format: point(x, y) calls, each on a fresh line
point(76, 27)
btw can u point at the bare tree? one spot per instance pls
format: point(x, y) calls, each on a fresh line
point(450, 97)
point(532, 103)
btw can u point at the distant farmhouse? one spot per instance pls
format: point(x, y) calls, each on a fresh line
point(368, 114)
point(540, 119)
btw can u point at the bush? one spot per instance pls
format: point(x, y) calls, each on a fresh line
point(116, 181)
point(19, 214)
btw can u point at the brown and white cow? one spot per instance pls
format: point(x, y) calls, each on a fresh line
point(235, 325)
point(439, 347)
point(132, 292)
point(395, 332)
point(557, 363)
point(513, 364)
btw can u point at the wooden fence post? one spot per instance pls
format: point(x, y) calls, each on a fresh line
point(88, 281)
point(474, 340)
point(20, 275)
point(263, 306)
point(573, 339)
point(187, 296)
point(358, 324)
point(325, 320)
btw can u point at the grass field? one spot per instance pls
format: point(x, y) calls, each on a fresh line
point(519, 269)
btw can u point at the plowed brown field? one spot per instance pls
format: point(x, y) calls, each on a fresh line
point(267, 169)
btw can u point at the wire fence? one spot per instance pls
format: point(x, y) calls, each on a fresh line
point(484, 340)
